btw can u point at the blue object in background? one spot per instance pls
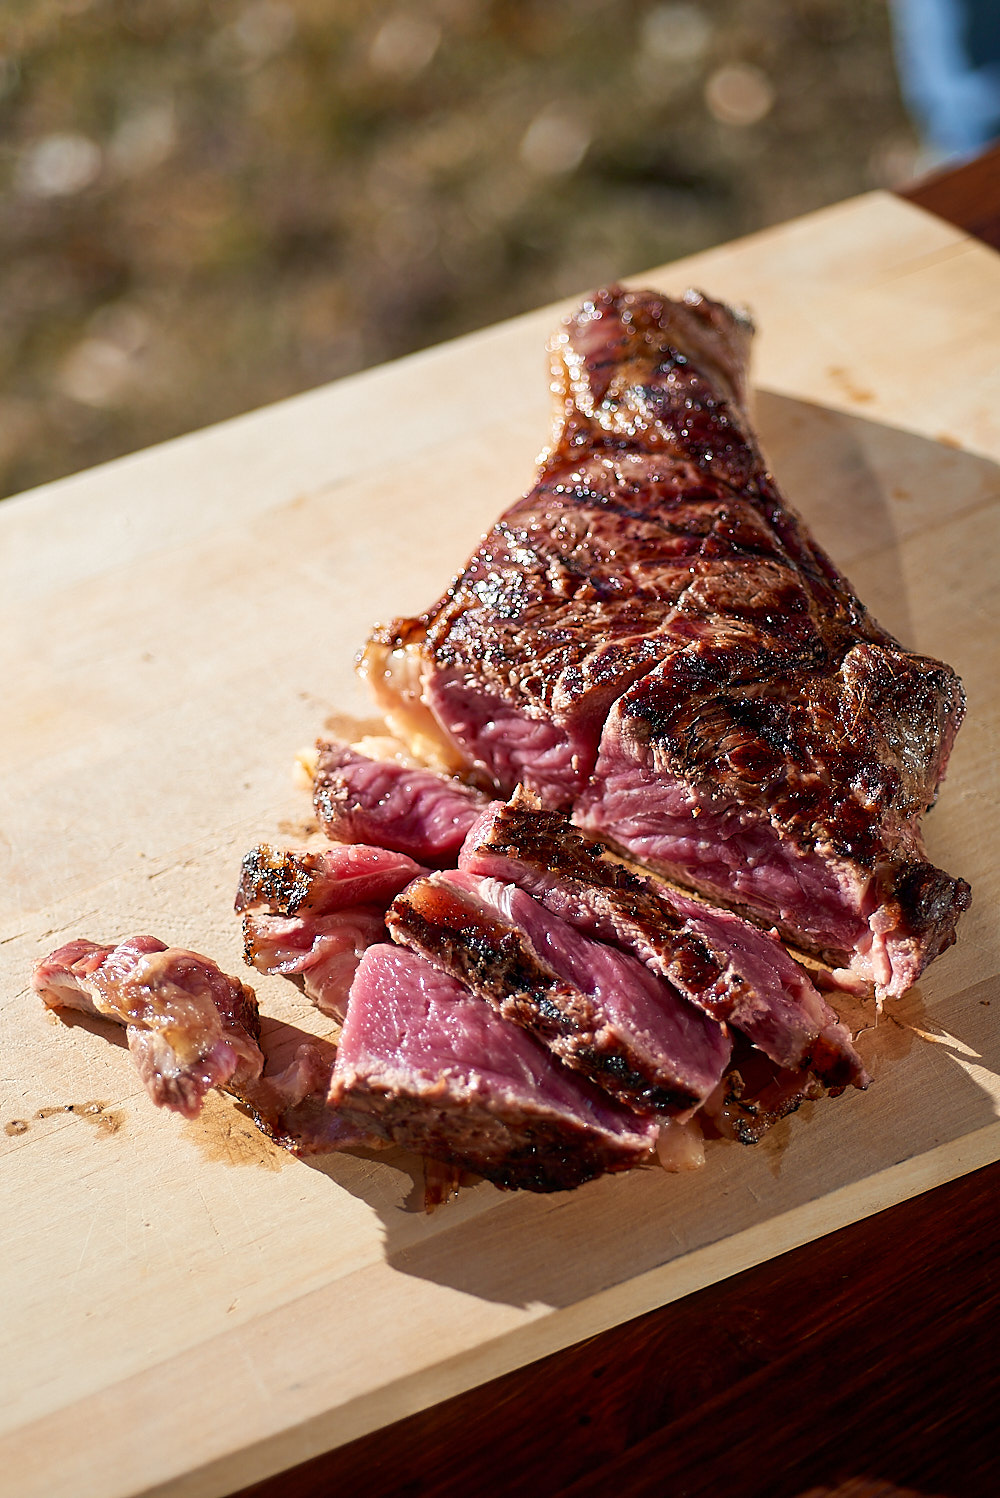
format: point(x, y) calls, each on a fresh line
point(948, 54)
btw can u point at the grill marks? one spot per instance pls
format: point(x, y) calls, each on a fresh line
point(597, 1009)
point(737, 974)
point(428, 1065)
point(652, 625)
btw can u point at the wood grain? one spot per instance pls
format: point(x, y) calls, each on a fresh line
point(868, 1355)
point(183, 1300)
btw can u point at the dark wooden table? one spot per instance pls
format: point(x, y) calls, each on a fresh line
point(864, 1365)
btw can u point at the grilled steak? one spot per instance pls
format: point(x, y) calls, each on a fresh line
point(597, 1009)
point(289, 881)
point(414, 811)
point(189, 1026)
point(426, 1064)
point(735, 972)
point(311, 915)
point(652, 639)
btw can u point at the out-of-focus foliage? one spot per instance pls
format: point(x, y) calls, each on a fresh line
point(208, 204)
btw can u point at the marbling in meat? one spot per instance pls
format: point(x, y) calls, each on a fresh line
point(190, 1027)
point(652, 640)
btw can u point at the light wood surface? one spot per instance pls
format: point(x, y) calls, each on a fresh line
point(185, 1309)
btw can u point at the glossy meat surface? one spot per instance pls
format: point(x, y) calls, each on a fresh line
point(596, 1008)
point(740, 975)
point(189, 1026)
point(425, 1063)
point(651, 639)
point(417, 812)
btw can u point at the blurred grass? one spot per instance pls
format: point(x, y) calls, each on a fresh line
point(208, 206)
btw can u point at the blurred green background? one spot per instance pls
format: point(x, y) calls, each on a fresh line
point(208, 205)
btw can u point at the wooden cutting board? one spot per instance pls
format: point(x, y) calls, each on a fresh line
point(185, 1309)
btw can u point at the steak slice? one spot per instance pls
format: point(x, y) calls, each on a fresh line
point(424, 1063)
point(321, 952)
point(597, 1009)
point(310, 916)
point(740, 975)
point(414, 811)
point(652, 638)
point(189, 1026)
point(289, 881)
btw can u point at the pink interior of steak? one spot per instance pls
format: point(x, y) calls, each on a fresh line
point(733, 970)
point(828, 905)
point(434, 1068)
point(414, 811)
point(641, 1013)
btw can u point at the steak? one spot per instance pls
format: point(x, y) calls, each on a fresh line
point(738, 974)
point(189, 1026)
point(320, 952)
point(289, 881)
point(651, 640)
point(597, 1009)
point(310, 916)
point(424, 1063)
point(414, 811)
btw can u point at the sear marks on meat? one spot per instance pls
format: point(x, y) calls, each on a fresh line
point(288, 882)
point(755, 1095)
point(740, 975)
point(652, 639)
point(427, 1065)
point(414, 811)
point(310, 916)
point(597, 1009)
point(189, 1026)
point(795, 799)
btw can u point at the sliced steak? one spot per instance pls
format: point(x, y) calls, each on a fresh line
point(189, 1026)
point(289, 881)
point(597, 1009)
point(737, 973)
point(309, 916)
point(414, 811)
point(426, 1064)
point(322, 952)
point(798, 800)
point(652, 638)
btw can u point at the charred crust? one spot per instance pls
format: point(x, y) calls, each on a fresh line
point(278, 879)
point(931, 901)
point(534, 1153)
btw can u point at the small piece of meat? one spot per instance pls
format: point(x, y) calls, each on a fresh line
point(293, 881)
point(310, 915)
point(754, 1095)
point(651, 639)
point(597, 1009)
point(740, 975)
point(414, 811)
point(320, 951)
point(189, 1026)
point(426, 1064)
